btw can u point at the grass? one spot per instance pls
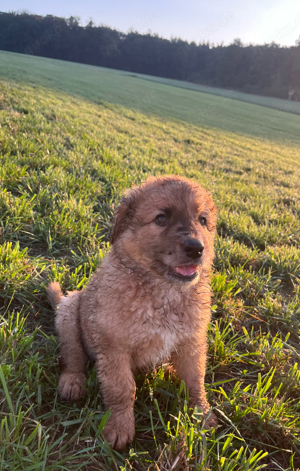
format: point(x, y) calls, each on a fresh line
point(66, 157)
point(207, 107)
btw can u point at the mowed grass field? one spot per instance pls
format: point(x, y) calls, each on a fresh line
point(72, 138)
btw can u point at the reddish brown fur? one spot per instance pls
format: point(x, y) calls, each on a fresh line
point(135, 312)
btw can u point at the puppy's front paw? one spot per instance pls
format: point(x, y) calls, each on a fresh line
point(210, 420)
point(71, 386)
point(204, 414)
point(120, 430)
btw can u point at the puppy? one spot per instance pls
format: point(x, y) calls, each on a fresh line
point(149, 301)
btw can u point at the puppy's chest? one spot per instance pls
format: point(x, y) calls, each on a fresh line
point(160, 328)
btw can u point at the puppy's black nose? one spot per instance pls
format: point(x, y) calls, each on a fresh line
point(193, 248)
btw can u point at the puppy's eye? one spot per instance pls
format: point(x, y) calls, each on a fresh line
point(202, 221)
point(161, 220)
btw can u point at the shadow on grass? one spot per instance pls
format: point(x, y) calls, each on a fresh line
point(169, 99)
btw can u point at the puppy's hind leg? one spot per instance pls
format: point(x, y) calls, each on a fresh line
point(73, 358)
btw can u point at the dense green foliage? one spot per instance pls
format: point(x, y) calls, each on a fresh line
point(64, 163)
point(263, 69)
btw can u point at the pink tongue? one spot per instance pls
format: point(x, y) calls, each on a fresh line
point(186, 270)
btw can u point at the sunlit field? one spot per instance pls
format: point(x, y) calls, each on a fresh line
point(72, 138)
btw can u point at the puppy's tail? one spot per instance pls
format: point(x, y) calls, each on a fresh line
point(54, 294)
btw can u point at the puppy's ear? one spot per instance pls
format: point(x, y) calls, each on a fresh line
point(122, 216)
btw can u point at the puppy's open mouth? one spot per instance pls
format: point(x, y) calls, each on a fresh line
point(184, 272)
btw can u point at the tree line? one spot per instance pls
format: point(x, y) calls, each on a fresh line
point(267, 69)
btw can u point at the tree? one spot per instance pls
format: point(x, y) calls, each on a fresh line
point(268, 69)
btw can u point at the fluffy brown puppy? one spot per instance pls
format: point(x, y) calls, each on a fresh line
point(147, 303)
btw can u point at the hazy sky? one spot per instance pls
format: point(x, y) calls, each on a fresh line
point(256, 21)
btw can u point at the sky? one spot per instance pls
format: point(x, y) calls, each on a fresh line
point(216, 21)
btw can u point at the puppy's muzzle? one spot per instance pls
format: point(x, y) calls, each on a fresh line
point(193, 248)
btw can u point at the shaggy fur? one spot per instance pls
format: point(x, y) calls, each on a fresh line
point(149, 301)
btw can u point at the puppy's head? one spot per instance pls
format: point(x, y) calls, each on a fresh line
point(167, 226)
